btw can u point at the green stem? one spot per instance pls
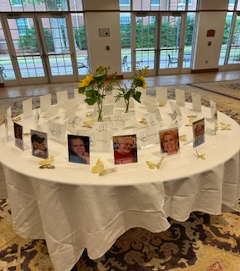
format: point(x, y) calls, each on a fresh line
point(127, 106)
point(100, 111)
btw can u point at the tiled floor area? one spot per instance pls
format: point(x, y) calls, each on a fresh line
point(35, 90)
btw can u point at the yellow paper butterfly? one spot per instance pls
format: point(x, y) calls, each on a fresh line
point(16, 119)
point(192, 118)
point(46, 163)
point(152, 165)
point(88, 124)
point(143, 121)
point(100, 169)
point(183, 138)
point(225, 126)
point(161, 104)
point(201, 156)
point(89, 114)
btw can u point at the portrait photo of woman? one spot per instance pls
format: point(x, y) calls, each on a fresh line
point(18, 134)
point(169, 141)
point(198, 132)
point(39, 144)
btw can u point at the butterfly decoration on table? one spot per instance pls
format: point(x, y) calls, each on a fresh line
point(152, 165)
point(88, 124)
point(225, 126)
point(101, 170)
point(143, 121)
point(47, 163)
point(16, 119)
point(191, 119)
point(161, 104)
point(89, 114)
point(183, 138)
point(201, 156)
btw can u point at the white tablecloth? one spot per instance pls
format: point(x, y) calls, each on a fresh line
point(74, 209)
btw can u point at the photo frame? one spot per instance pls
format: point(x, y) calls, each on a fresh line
point(169, 141)
point(39, 144)
point(125, 149)
point(79, 149)
point(18, 135)
point(198, 132)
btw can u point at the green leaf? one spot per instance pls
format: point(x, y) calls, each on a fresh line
point(137, 96)
point(90, 93)
point(128, 95)
point(91, 101)
point(81, 90)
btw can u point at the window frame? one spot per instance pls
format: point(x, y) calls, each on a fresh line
point(155, 4)
point(124, 5)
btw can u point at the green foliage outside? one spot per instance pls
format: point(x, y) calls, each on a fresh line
point(28, 41)
point(145, 35)
point(80, 38)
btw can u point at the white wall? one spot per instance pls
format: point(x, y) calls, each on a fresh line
point(99, 56)
point(213, 4)
point(207, 56)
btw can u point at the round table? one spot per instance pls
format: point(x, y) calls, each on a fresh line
point(73, 209)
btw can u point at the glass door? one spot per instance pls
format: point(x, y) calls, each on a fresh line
point(145, 41)
point(158, 43)
point(171, 43)
point(40, 54)
point(57, 44)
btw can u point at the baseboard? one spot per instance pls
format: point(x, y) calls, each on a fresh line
point(204, 70)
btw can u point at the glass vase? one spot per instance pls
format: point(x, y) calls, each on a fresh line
point(100, 111)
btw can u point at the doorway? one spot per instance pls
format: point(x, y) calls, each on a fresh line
point(40, 47)
point(158, 42)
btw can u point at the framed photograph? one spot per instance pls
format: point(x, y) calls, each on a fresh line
point(125, 149)
point(169, 141)
point(78, 149)
point(39, 144)
point(18, 134)
point(198, 132)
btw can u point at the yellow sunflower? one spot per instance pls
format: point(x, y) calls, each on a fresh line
point(144, 84)
point(86, 81)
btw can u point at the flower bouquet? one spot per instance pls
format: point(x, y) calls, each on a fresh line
point(138, 80)
point(94, 86)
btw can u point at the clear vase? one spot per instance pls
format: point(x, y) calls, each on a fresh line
point(127, 106)
point(100, 112)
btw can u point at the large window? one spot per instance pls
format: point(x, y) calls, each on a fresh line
point(41, 5)
point(124, 2)
point(155, 2)
point(22, 25)
point(124, 19)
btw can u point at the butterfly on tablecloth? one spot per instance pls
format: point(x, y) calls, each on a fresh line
point(152, 165)
point(100, 168)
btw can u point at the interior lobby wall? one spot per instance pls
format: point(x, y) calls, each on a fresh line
point(103, 51)
point(207, 50)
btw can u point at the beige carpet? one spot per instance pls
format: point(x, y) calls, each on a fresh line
point(202, 243)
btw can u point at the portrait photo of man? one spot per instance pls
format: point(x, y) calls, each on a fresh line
point(125, 149)
point(78, 149)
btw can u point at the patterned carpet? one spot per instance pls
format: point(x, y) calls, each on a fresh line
point(202, 243)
